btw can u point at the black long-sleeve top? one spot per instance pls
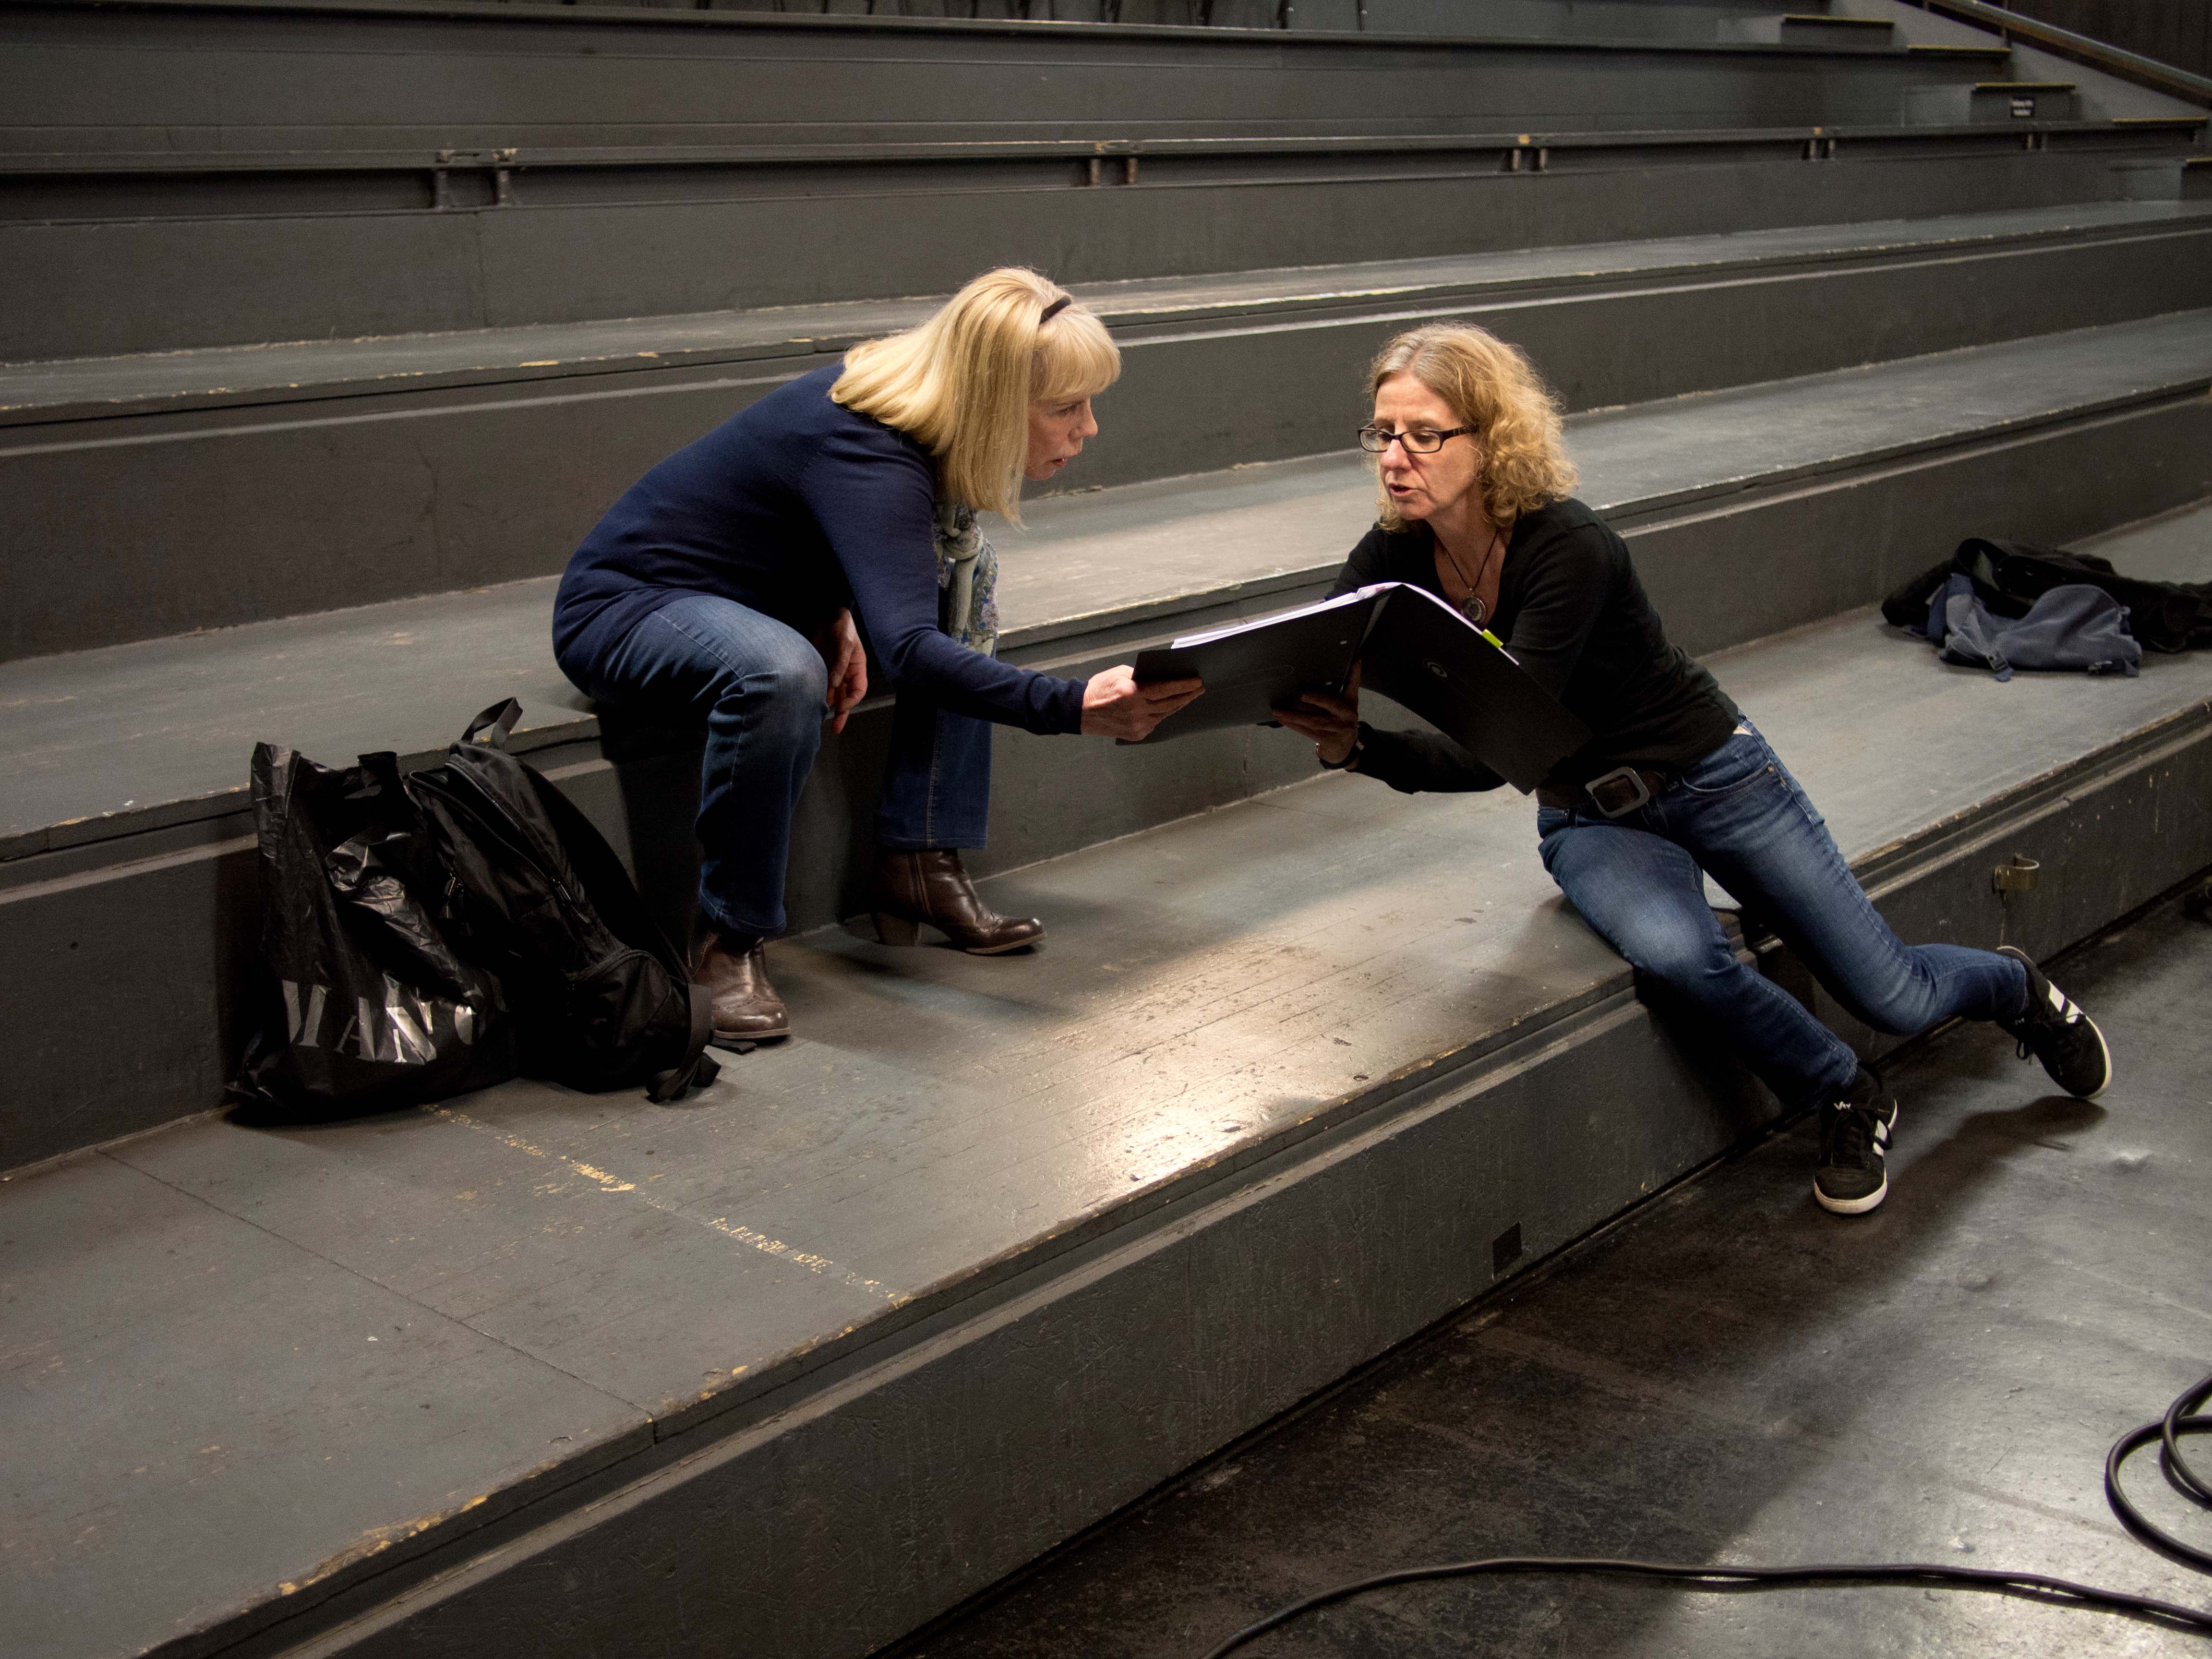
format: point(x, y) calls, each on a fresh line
point(793, 507)
point(1572, 613)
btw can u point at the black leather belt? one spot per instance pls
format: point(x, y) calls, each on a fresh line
point(1616, 794)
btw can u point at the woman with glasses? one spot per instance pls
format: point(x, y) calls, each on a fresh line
point(1476, 509)
point(736, 580)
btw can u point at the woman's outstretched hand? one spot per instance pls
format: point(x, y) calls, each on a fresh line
point(842, 652)
point(1331, 723)
point(1116, 706)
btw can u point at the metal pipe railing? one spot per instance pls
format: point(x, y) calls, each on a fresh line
point(2080, 48)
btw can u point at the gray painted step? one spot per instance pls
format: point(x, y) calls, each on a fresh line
point(216, 78)
point(970, 1241)
point(1490, 20)
point(1637, 463)
point(96, 388)
point(161, 894)
point(165, 726)
point(602, 165)
point(1813, 29)
point(230, 485)
point(605, 236)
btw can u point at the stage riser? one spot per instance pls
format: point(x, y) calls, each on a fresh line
point(1022, 1425)
point(229, 515)
point(1251, 396)
point(131, 978)
point(1668, 20)
point(177, 920)
point(801, 236)
point(203, 80)
point(1721, 574)
point(1654, 18)
point(1030, 1420)
point(2108, 837)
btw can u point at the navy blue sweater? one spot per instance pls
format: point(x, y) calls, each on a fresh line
point(793, 507)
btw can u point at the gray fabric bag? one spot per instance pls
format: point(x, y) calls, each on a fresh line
point(2077, 627)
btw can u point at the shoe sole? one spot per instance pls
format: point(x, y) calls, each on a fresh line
point(1001, 950)
point(725, 1039)
point(2104, 1052)
point(1852, 1206)
point(900, 935)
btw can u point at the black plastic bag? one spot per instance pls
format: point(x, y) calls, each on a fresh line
point(367, 1006)
point(538, 896)
point(2170, 617)
point(2009, 577)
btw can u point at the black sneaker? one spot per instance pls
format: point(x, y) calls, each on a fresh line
point(1854, 1173)
point(2058, 1033)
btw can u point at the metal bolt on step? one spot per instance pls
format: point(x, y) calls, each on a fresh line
point(2019, 876)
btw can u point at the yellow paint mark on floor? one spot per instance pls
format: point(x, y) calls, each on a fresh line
point(612, 1183)
point(607, 1183)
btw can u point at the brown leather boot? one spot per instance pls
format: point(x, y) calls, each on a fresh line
point(746, 1006)
point(911, 888)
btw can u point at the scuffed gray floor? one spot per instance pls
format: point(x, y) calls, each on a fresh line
point(1732, 1375)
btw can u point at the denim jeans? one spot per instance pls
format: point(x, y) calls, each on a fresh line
point(759, 686)
point(1739, 814)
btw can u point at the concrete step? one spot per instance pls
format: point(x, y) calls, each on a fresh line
point(588, 234)
point(234, 484)
point(2004, 101)
point(196, 77)
point(1811, 28)
point(990, 1246)
point(126, 855)
point(2022, 100)
point(1679, 20)
point(511, 166)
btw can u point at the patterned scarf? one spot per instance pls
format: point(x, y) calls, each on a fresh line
point(967, 580)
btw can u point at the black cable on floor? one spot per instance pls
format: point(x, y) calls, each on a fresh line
point(2177, 1421)
point(2180, 1419)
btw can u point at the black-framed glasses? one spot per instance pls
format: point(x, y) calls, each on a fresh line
point(1417, 440)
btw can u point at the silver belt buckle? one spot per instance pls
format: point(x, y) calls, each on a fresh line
point(1597, 789)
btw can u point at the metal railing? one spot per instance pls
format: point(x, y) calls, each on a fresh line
point(2079, 48)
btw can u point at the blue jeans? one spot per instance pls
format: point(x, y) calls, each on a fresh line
point(1739, 814)
point(759, 685)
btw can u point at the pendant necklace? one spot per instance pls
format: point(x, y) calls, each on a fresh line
point(1472, 606)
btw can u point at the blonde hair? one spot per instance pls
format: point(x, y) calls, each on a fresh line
point(1491, 386)
point(961, 384)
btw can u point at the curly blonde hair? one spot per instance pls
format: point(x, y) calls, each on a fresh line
point(961, 384)
point(1493, 387)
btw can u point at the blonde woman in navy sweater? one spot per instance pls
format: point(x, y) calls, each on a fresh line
point(737, 578)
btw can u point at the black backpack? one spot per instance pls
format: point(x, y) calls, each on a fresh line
point(2009, 577)
point(534, 895)
point(366, 1006)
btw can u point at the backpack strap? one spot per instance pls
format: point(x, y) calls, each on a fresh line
point(697, 1068)
point(492, 727)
